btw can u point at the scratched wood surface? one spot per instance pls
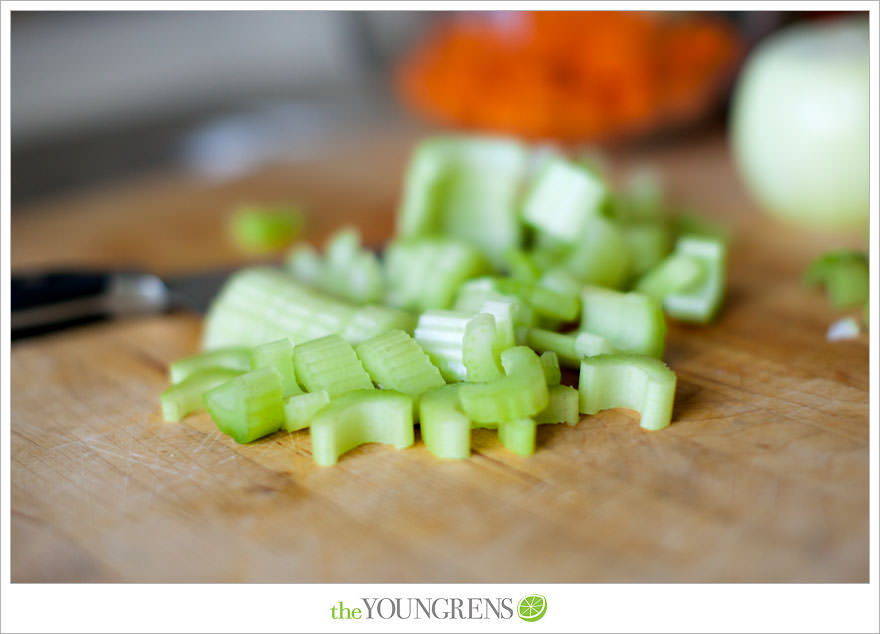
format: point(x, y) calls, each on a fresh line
point(762, 477)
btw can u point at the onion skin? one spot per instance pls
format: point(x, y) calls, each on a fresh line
point(799, 125)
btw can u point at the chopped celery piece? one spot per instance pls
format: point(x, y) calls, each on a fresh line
point(330, 363)
point(552, 373)
point(503, 311)
point(185, 397)
point(521, 266)
point(300, 409)
point(465, 188)
point(259, 305)
point(248, 406)
point(473, 295)
point(562, 406)
point(518, 435)
point(305, 264)
point(347, 271)
point(425, 273)
point(636, 382)
point(519, 394)
point(360, 417)
point(601, 256)
point(641, 197)
point(231, 357)
point(844, 274)
point(441, 335)
point(445, 429)
point(559, 280)
point(263, 229)
point(570, 348)
point(562, 198)
point(279, 355)
point(694, 225)
point(395, 361)
point(369, 321)
point(648, 243)
point(479, 356)
point(554, 304)
point(700, 301)
point(631, 322)
point(676, 273)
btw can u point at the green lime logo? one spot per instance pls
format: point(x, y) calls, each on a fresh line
point(532, 608)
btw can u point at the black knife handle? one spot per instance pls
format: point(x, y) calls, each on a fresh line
point(49, 301)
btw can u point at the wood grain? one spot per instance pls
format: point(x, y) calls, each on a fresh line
point(763, 476)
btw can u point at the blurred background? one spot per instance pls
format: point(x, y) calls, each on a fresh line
point(100, 96)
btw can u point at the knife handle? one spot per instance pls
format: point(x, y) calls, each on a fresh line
point(50, 301)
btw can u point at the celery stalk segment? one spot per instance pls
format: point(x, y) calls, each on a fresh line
point(359, 417)
point(636, 382)
point(231, 357)
point(279, 355)
point(299, 409)
point(521, 393)
point(701, 301)
point(562, 406)
point(248, 406)
point(185, 397)
point(631, 322)
point(446, 431)
point(396, 362)
point(330, 363)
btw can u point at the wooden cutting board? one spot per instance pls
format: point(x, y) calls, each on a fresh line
point(762, 477)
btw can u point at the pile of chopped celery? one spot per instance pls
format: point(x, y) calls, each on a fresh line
point(507, 263)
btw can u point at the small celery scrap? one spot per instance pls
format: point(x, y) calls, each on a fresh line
point(844, 276)
point(501, 253)
point(258, 229)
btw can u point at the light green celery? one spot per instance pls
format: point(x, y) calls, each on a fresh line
point(395, 361)
point(263, 229)
point(636, 382)
point(473, 295)
point(648, 243)
point(700, 301)
point(231, 357)
point(521, 266)
point(424, 273)
point(503, 311)
point(479, 349)
point(185, 397)
point(562, 406)
point(560, 280)
point(370, 321)
point(601, 256)
point(550, 363)
point(519, 394)
point(641, 198)
point(330, 363)
point(631, 322)
point(258, 305)
point(518, 435)
point(305, 263)
point(676, 273)
point(562, 198)
point(554, 304)
point(279, 355)
point(299, 410)
point(441, 334)
point(571, 347)
point(446, 431)
point(248, 406)
point(359, 417)
point(844, 274)
point(466, 188)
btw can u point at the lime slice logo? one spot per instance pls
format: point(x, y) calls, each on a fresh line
point(532, 608)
